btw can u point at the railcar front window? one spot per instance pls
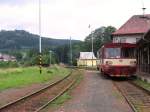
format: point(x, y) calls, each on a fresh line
point(112, 52)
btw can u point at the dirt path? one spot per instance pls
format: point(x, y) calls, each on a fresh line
point(95, 94)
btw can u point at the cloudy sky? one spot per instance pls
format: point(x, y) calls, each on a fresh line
point(65, 18)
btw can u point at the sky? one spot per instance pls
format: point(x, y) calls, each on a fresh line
point(67, 18)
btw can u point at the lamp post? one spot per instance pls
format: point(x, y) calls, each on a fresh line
point(92, 48)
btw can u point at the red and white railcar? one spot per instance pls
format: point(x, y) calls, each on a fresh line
point(117, 59)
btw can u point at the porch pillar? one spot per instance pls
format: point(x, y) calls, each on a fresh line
point(148, 54)
point(148, 58)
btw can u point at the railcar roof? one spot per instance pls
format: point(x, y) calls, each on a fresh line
point(119, 45)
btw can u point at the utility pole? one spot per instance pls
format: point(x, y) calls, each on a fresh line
point(70, 52)
point(40, 51)
point(91, 42)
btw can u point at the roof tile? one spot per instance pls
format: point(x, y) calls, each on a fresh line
point(87, 55)
point(137, 24)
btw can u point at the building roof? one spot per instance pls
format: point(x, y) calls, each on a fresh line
point(7, 57)
point(137, 24)
point(87, 55)
point(122, 45)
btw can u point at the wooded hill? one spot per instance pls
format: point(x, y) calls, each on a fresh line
point(24, 46)
point(20, 39)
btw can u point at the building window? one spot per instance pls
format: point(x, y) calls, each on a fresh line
point(137, 39)
point(123, 40)
point(114, 39)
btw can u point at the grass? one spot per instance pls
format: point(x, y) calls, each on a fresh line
point(66, 96)
point(18, 77)
point(142, 83)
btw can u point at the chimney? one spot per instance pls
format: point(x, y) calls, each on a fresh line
point(143, 11)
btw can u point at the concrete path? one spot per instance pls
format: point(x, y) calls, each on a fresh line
point(95, 94)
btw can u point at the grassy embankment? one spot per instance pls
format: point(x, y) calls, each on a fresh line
point(88, 68)
point(142, 83)
point(18, 77)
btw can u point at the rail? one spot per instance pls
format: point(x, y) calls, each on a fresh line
point(137, 97)
point(19, 102)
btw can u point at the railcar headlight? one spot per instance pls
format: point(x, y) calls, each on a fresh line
point(109, 62)
point(133, 63)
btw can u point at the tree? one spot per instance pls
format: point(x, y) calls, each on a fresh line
point(76, 49)
point(100, 36)
point(63, 53)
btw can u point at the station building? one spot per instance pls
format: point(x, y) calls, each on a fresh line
point(133, 30)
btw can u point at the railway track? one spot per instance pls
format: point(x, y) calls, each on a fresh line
point(137, 97)
point(38, 100)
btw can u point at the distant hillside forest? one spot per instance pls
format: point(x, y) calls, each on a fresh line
point(20, 39)
point(24, 46)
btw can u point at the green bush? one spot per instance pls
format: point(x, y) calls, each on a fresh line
point(8, 64)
